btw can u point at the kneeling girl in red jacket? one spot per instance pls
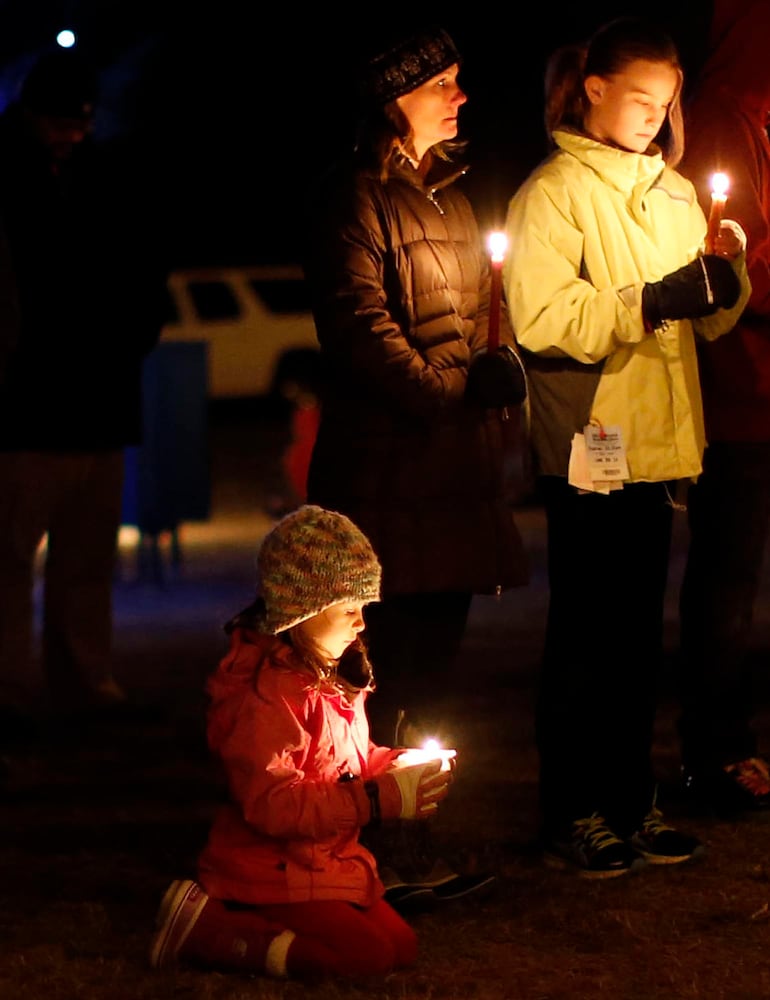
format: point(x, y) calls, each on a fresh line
point(284, 887)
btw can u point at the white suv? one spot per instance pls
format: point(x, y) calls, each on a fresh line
point(254, 320)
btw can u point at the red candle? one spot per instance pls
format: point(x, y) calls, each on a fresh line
point(497, 243)
point(719, 186)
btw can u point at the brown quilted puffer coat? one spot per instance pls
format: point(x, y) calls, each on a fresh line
point(400, 289)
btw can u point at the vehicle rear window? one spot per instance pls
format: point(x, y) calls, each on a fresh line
point(290, 295)
point(213, 300)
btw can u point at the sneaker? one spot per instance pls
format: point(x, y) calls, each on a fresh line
point(743, 786)
point(405, 896)
point(179, 911)
point(661, 844)
point(459, 886)
point(410, 898)
point(594, 849)
point(447, 884)
point(441, 884)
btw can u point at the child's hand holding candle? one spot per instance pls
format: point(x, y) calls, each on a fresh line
point(416, 782)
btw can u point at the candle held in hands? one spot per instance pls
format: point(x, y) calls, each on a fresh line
point(498, 244)
point(428, 752)
point(719, 186)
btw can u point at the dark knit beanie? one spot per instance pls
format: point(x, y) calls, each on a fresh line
point(406, 65)
point(312, 559)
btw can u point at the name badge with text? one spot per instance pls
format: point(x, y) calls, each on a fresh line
point(606, 453)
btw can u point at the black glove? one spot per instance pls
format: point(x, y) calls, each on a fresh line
point(698, 289)
point(496, 379)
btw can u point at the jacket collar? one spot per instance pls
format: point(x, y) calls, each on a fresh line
point(617, 167)
point(442, 173)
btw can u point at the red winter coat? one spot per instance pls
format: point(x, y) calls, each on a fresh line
point(290, 831)
point(726, 125)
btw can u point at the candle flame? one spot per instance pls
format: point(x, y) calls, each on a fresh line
point(719, 184)
point(430, 750)
point(498, 244)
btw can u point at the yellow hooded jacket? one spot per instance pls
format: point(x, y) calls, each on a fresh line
point(587, 229)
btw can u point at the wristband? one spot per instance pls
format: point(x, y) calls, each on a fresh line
point(373, 792)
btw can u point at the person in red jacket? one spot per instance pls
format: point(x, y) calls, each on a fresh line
point(729, 507)
point(284, 887)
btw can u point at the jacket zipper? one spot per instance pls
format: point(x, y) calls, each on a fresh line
point(432, 199)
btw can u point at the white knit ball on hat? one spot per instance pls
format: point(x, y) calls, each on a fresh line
point(311, 560)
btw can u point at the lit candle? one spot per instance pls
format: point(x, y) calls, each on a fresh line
point(719, 186)
point(429, 751)
point(498, 244)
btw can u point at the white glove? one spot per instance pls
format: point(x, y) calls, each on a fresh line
point(736, 228)
point(420, 787)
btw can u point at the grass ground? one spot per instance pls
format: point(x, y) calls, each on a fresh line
point(98, 821)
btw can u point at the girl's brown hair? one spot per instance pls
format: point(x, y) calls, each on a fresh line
point(351, 673)
point(607, 53)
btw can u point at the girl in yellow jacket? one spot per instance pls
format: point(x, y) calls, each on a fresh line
point(608, 286)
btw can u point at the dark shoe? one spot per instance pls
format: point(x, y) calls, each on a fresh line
point(661, 844)
point(411, 868)
point(441, 884)
point(593, 849)
point(462, 886)
point(447, 884)
point(742, 787)
point(405, 896)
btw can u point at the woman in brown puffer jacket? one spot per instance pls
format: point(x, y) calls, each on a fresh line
point(408, 446)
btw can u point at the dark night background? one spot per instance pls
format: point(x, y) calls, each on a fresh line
point(227, 110)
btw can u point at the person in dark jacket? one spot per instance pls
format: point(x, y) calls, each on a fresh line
point(80, 305)
point(413, 426)
point(400, 290)
point(729, 507)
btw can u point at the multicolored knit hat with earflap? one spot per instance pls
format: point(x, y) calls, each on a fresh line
point(312, 559)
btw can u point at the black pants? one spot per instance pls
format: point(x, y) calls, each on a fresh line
point(76, 499)
point(729, 518)
point(413, 641)
point(607, 566)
